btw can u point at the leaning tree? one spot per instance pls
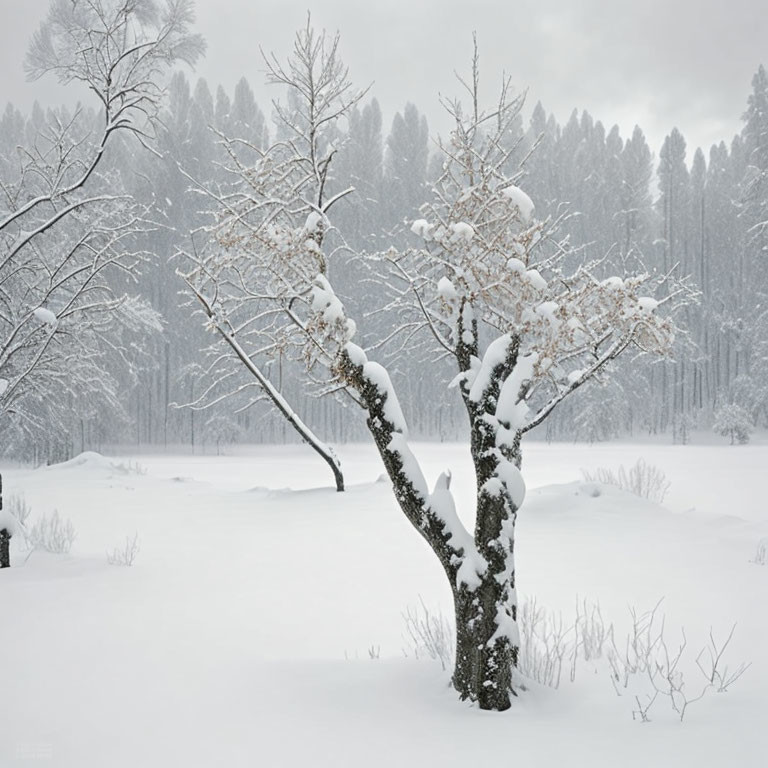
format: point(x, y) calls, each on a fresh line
point(69, 235)
point(523, 322)
point(270, 211)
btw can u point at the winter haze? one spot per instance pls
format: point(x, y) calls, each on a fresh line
point(355, 411)
point(655, 64)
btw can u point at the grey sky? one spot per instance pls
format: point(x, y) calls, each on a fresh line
point(657, 63)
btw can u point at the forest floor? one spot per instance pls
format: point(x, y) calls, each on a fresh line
point(262, 621)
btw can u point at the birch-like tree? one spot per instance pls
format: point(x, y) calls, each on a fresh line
point(495, 292)
point(68, 236)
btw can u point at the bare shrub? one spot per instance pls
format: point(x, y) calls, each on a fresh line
point(54, 534)
point(644, 666)
point(374, 652)
point(429, 634)
point(544, 643)
point(651, 670)
point(547, 643)
point(644, 480)
point(761, 553)
point(18, 507)
point(734, 422)
point(126, 553)
point(130, 467)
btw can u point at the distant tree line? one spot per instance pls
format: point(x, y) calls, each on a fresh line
point(706, 217)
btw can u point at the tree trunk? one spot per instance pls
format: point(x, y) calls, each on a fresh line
point(5, 537)
point(480, 568)
point(484, 660)
point(307, 435)
point(5, 553)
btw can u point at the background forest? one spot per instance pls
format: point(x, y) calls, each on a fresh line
point(699, 214)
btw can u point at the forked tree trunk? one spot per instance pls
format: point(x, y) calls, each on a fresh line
point(484, 599)
point(487, 640)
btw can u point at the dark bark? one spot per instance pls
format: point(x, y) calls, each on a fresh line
point(483, 663)
point(5, 554)
point(282, 406)
point(483, 670)
point(5, 537)
point(485, 652)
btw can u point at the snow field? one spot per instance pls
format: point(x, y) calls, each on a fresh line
point(241, 634)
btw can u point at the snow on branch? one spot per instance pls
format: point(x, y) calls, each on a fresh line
point(68, 233)
point(489, 277)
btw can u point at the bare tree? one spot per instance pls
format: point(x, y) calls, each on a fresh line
point(272, 217)
point(68, 236)
point(496, 293)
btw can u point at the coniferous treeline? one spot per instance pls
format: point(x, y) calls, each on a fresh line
point(706, 217)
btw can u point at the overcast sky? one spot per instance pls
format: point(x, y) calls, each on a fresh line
point(656, 63)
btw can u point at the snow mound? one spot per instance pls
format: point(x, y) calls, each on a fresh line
point(584, 497)
point(85, 459)
point(91, 460)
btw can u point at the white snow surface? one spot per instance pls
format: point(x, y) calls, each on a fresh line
point(462, 231)
point(536, 280)
point(8, 522)
point(411, 467)
point(613, 282)
point(46, 317)
point(495, 354)
point(511, 410)
point(4, 384)
point(647, 303)
point(442, 505)
point(377, 374)
point(241, 635)
point(422, 228)
point(312, 224)
point(521, 200)
point(446, 289)
point(326, 302)
point(512, 478)
point(356, 354)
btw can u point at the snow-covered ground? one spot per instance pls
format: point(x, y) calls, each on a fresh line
point(261, 626)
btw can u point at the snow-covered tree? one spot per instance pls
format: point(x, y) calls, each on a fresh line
point(267, 219)
point(493, 290)
point(755, 182)
point(360, 164)
point(406, 159)
point(68, 234)
point(733, 421)
point(221, 430)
